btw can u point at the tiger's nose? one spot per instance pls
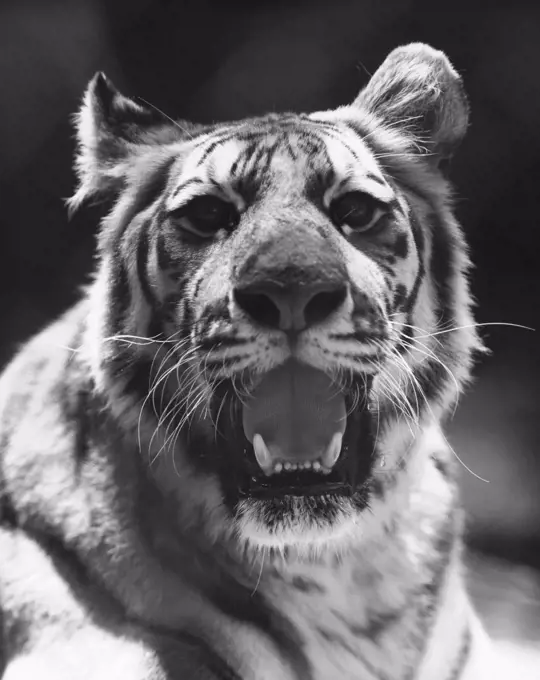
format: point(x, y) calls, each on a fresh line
point(291, 308)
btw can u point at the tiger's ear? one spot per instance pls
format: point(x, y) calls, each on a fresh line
point(418, 90)
point(110, 127)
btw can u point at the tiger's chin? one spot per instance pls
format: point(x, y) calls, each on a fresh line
point(296, 526)
point(296, 458)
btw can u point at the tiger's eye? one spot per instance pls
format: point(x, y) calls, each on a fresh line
point(357, 210)
point(206, 215)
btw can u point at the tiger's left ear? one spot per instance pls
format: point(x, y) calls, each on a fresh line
point(417, 90)
point(110, 129)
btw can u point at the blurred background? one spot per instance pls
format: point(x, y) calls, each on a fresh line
point(210, 60)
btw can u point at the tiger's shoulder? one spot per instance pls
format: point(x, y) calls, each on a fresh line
point(41, 374)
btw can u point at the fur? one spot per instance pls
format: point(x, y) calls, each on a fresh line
point(125, 552)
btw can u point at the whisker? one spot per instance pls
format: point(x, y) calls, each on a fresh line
point(138, 340)
point(418, 388)
point(431, 355)
point(474, 474)
point(479, 325)
point(174, 122)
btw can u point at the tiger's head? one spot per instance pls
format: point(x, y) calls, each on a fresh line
point(281, 302)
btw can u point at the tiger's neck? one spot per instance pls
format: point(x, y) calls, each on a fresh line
point(362, 604)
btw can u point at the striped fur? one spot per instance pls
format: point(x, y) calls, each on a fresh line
point(117, 444)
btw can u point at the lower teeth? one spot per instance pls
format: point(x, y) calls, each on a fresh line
point(323, 466)
point(314, 466)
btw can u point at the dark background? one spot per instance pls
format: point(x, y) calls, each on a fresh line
point(205, 60)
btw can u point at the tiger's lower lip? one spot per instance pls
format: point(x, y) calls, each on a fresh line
point(262, 490)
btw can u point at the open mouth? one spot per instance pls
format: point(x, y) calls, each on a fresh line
point(297, 434)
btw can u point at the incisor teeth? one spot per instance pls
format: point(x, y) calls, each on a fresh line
point(323, 466)
point(288, 466)
point(331, 454)
point(262, 454)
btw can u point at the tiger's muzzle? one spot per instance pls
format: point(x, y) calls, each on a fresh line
point(298, 429)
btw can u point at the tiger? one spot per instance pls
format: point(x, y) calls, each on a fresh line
point(227, 460)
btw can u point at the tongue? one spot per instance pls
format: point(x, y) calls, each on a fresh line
point(297, 410)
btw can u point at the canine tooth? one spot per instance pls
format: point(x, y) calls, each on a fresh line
point(278, 467)
point(262, 454)
point(316, 465)
point(331, 454)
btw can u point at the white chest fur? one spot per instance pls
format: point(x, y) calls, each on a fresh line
point(395, 605)
point(356, 621)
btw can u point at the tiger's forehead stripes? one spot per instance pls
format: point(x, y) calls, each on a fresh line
point(211, 177)
point(356, 168)
point(238, 162)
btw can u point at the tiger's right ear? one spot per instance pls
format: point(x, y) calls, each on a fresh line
point(110, 127)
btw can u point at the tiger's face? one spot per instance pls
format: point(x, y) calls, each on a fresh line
point(299, 253)
point(284, 270)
